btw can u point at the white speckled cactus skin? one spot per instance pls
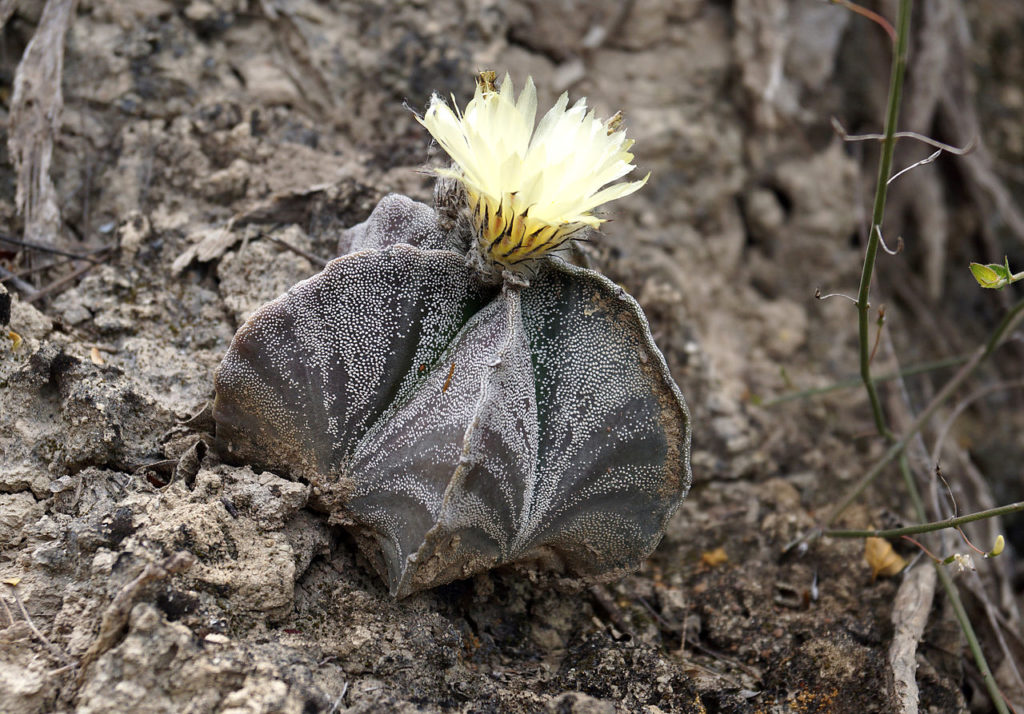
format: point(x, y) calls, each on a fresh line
point(454, 425)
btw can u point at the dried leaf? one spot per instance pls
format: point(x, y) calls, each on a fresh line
point(713, 558)
point(210, 243)
point(13, 582)
point(884, 561)
point(15, 339)
point(95, 356)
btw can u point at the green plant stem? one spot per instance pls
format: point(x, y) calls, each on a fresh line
point(954, 599)
point(1004, 326)
point(857, 381)
point(915, 494)
point(899, 64)
point(972, 639)
point(1009, 320)
point(928, 527)
point(898, 446)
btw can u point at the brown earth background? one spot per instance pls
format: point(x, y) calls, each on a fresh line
point(181, 145)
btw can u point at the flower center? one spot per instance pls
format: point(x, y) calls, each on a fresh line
point(507, 236)
point(530, 190)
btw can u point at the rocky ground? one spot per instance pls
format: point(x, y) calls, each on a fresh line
point(197, 141)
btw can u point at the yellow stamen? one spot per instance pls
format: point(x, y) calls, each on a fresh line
point(530, 190)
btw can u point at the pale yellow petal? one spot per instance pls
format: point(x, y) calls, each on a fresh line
point(531, 189)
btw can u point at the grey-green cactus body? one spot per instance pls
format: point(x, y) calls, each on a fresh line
point(455, 425)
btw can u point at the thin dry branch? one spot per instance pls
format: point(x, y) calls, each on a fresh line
point(311, 257)
point(909, 616)
point(54, 650)
point(956, 110)
point(7, 613)
point(962, 405)
point(58, 286)
point(840, 130)
point(17, 283)
point(35, 121)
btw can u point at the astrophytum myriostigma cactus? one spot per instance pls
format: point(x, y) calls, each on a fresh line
point(459, 397)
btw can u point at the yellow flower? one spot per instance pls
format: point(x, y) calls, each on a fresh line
point(529, 190)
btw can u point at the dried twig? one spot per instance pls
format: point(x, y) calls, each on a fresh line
point(899, 239)
point(311, 257)
point(880, 323)
point(49, 249)
point(851, 382)
point(7, 611)
point(54, 649)
point(818, 296)
point(57, 286)
point(35, 121)
point(41, 268)
point(871, 15)
point(18, 284)
point(1007, 324)
point(927, 160)
point(958, 151)
point(962, 405)
point(340, 697)
point(998, 629)
point(909, 616)
point(614, 612)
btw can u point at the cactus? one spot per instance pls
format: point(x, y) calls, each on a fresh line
point(456, 417)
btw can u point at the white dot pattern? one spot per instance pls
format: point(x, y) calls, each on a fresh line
point(475, 426)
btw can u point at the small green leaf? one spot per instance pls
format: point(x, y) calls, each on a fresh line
point(992, 275)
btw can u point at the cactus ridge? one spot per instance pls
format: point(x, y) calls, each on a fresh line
point(455, 425)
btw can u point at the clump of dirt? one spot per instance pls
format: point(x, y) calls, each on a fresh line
point(215, 151)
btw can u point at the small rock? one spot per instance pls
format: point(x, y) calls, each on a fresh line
point(131, 234)
point(16, 511)
point(29, 322)
point(200, 11)
point(579, 703)
point(230, 183)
